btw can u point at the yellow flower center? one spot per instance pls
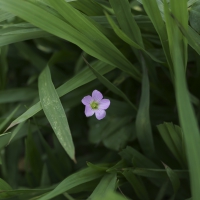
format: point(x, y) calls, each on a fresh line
point(94, 105)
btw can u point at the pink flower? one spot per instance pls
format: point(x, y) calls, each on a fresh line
point(95, 104)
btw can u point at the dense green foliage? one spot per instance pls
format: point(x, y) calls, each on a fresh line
point(143, 55)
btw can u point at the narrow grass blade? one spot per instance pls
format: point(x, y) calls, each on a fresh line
point(33, 159)
point(128, 40)
point(85, 76)
point(107, 183)
point(185, 110)
point(54, 112)
point(73, 180)
point(126, 20)
point(110, 85)
point(173, 137)
point(10, 116)
point(137, 185)
point(173, 178)
point(84, 35)
point(3, 66)
point(151, 8)
point(142, 123)
point(18, 37)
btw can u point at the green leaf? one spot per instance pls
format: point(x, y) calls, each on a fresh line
point(142, 123)
point(17, 94)
point(85, 76)
point(152, 10)
point(107, 183)
point(173, 178)
point(3, 66)
point(185, 110)
point(128, 40)
point(110, 86)
point(173, 137)
point(33, 160)
point(45, 180)
point(126, 21)
point(137, 185)
point(27, 34)
point(136, 159)
point(84, 35)
point(54, 112)
point(73, 180)
point(112, 196)
point(194, 16)
point(8, 118)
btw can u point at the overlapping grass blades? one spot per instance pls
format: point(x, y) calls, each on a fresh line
point(186, 113)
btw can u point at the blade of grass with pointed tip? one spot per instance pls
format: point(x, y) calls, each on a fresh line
point(90, 31)
point(136, 159)
point(54, 112)
point(110, 86)
point(85, 76)
point(151, 8)
point(107, 183)
point(86, 36)
point(173, 139)
point(185, 110)
point(18, 37)
point(142, 123)
point(73, 180)
point(10, 116)
point(126, 20)
point(137, 185)
point(128, 40)
point(173, 178)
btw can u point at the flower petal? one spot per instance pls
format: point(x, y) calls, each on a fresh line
point(97, 96)
point(100, 114)
point(86, 100)
point(88, 111)
point(104, 104)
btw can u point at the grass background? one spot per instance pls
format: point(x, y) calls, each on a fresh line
point(143, 55)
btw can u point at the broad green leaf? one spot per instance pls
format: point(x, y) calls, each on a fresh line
point(54, 112)
point(137, 185)
point(110, 86)
point(73, 180)
point(142, 123)
point(107, 183)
